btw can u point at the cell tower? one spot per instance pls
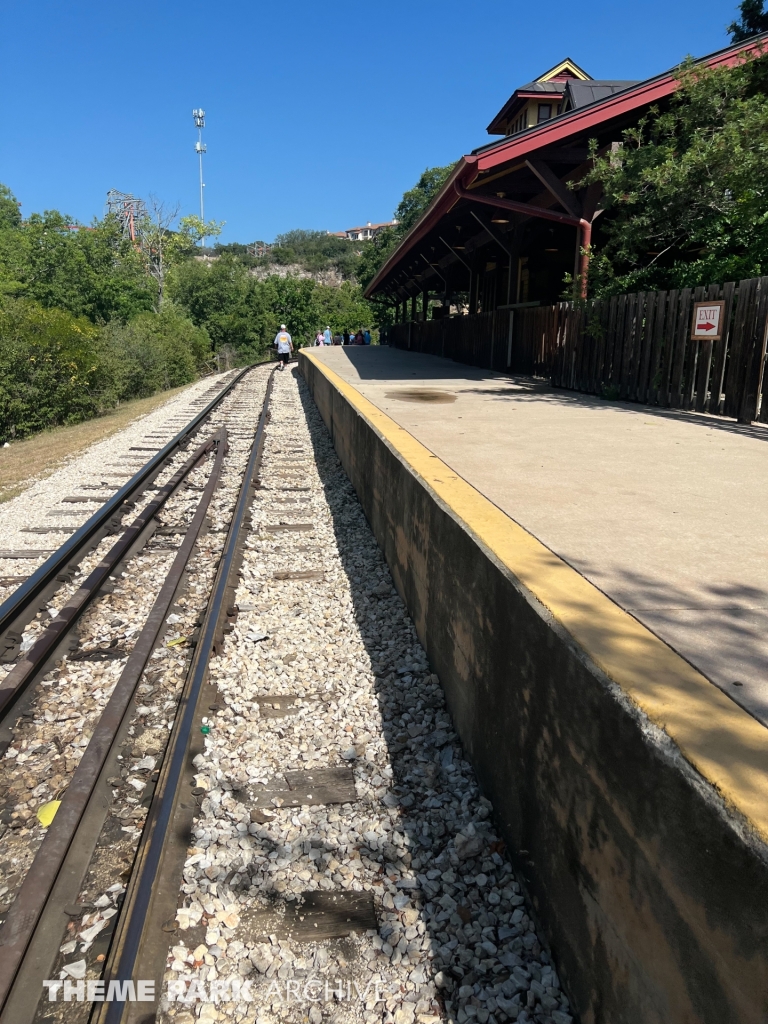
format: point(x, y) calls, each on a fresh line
point(129, 211)
point(200, 148)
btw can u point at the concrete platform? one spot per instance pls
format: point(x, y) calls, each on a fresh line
point(665, 512)
point(631, 792)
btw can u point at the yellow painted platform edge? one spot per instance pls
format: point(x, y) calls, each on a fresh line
point(722, 741)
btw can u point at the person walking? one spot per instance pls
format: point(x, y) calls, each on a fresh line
point(319, 338)
point(359, 339)
point(345, 336)
point(284, 345)
point(327, 336)
point(367, 336)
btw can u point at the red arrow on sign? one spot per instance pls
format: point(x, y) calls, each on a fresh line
point(706, 327)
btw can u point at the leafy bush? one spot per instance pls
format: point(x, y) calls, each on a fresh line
point(57, 368)
point(153, 352)
point(50, 370)
point(685, 194)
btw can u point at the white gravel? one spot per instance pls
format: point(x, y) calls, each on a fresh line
point(455, 940)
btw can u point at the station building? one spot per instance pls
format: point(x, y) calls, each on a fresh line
point(508, 225)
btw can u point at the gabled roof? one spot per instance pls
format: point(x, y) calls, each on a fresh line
point(552, 81)
point(565, 69)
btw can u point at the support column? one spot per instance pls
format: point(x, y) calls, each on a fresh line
point(425, 304)
point(413, 307)
point(474, 295)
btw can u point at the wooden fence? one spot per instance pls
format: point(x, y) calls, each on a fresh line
point(481, 340)
point(635, 347)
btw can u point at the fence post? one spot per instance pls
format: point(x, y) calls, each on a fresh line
point(754, 351)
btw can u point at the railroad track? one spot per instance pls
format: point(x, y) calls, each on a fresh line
point(188, 488)
point(307, 842)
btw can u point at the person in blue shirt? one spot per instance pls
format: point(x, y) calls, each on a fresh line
point(284, 345)
point(367, 336)
point(327, 336)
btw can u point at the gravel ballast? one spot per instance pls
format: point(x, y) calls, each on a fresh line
point(324, 671)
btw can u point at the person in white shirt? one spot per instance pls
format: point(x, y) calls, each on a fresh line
point(284, 345)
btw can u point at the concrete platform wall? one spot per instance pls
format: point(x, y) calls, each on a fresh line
point(651, 891)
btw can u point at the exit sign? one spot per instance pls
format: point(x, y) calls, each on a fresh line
point(708, 320)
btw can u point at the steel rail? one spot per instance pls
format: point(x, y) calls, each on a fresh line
point(138, 907)
point(23, 600)
point(25, 912)
point(36, 658)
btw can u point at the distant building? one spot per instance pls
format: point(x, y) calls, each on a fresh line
point(564, 87)
point(369, 231)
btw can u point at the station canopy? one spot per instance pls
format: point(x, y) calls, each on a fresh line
point(506, 228)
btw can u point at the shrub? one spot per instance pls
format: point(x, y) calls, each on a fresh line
point(57, 368)
point(154, 352)
point(50, 371)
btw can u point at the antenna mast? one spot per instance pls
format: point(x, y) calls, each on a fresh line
point(200, 148)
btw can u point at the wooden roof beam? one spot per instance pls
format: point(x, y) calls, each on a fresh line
point(567, 199)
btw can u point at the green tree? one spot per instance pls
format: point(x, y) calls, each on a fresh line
point(91, 272)
point(410, 208)
point(686, 197)
point(753, 21)
point(242, 312)
point(197, 230)
point(417, 199)
point(10, 214)
point(50, 371)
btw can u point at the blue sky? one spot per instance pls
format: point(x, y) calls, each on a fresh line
point(319, 115)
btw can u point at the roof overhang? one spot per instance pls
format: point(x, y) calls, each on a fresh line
point(472, 168)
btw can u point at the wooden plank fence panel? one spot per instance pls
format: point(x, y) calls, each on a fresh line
point(668, 344)
point(655, 364)
point(644, 353)
point(577, 331)
point(584, 342)
point(598, 356)
point(628, 337)
point(754, 355)
point(606, 355)
point(592, 315)
point(637, 344)
point(734, 376)
point(575, 327)
point(680, 348)
point(613, 371)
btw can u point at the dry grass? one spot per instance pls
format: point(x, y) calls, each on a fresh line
point(39, 456)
